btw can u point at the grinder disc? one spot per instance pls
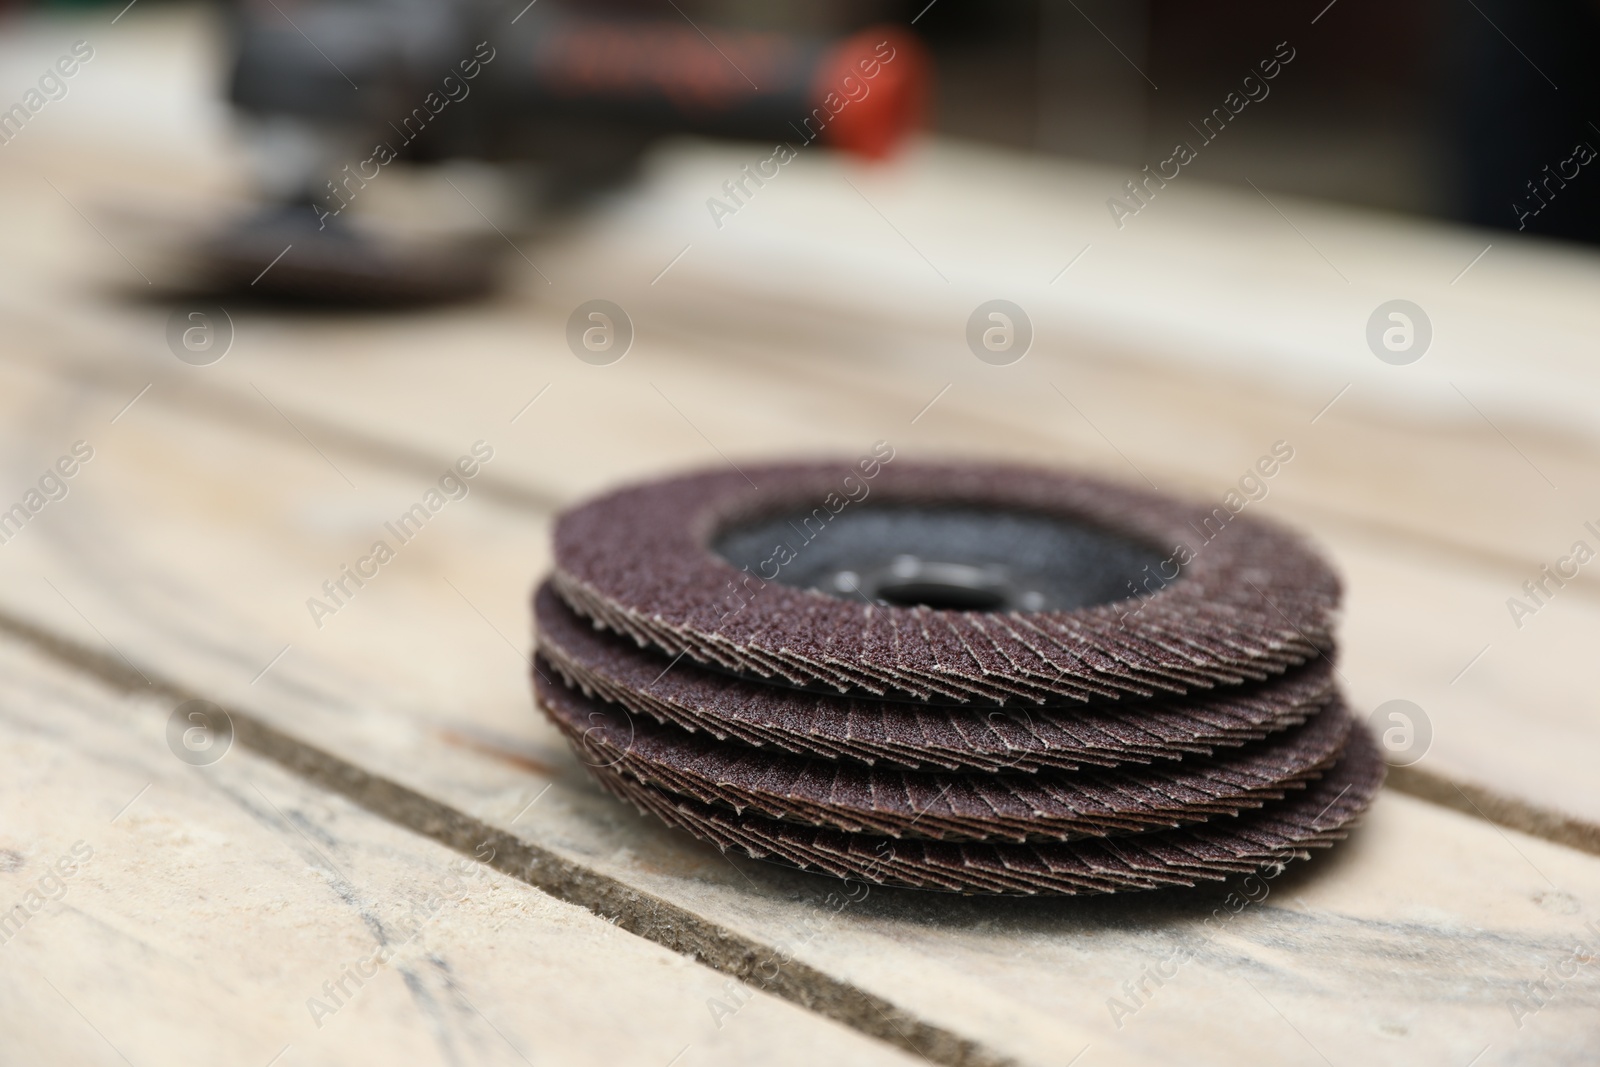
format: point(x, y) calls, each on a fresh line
point(915, 735)
point(1312, 818)
point(944, 805)
point(1248, 603)
point(286, 253)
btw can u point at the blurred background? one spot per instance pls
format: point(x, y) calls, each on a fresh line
point(1454, 109)
point(1477, 111)
point(1425, 106)
point(1232, 188)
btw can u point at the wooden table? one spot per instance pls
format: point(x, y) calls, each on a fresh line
point(398, 860)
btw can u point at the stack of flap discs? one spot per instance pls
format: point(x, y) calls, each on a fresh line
point(975, 678)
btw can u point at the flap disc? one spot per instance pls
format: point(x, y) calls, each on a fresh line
point(1243, 602)
point(285, 253)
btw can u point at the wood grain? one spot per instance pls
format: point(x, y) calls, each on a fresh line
point(233, 912)
point(412, 703)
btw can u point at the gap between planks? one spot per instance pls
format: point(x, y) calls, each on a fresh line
point(1490, 805)
point(235, 410)
point(643, 914)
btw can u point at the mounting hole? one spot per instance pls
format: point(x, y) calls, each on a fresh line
point(950, 558)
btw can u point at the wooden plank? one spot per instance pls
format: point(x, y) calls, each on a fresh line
point(1432, 546)
point(232, 912)
point(409, 701)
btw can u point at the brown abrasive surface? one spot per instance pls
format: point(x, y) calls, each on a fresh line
point(1251, 602)
point(1067, 721)
point(944, 805)
point(1306, 819)
point(912, 735)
